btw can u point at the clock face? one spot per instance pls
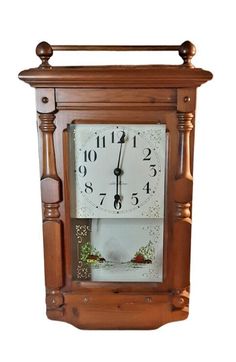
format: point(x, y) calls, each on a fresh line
point(117, 171)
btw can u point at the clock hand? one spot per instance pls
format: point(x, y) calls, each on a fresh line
point(118, 163)
point(118, 172)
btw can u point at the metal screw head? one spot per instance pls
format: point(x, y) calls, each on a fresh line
point(86, 300)
point(45, 99)
point(187, 99)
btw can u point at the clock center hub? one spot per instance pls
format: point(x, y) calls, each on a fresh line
point(117, 171)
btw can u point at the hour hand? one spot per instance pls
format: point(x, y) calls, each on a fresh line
point(117, 173)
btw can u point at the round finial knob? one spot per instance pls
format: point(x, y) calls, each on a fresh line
point(44, 52)
point(187, 50)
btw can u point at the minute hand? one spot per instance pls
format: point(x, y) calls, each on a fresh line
point(118, 164)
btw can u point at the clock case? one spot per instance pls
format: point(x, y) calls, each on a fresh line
point(116, 94)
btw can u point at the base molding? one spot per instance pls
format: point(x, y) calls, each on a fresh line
point(94, 310)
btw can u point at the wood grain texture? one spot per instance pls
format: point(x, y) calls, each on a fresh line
point(116, 94)
point(124, 310)
point(122, 96)
point(157, 76)
point(52, 254)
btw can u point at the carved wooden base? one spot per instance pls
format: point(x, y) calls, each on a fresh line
point(119, 311)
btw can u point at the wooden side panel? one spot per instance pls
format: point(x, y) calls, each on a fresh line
point(53, 254)
point(181, 254)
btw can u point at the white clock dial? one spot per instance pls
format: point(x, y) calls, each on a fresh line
point(117, 171)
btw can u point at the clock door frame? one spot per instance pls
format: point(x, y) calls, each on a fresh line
point(88, 304)
point(161, 118)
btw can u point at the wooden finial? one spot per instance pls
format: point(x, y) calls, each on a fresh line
point(44, 52)
point(187, 51)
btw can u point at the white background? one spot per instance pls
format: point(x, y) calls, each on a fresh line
point(207, 334)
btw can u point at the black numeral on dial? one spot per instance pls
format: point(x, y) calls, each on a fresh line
point(117, 204)
point(101, 141)
point(147, 188)
point(102, 198)
point(134, 198)
point(153, 171)
point(90, 155)
point(120, 135)
point(147, 154)
point(88, 187)
point(82, 170)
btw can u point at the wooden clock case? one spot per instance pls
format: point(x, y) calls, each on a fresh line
point(116, 94)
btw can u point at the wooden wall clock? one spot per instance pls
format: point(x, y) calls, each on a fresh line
point(116, 156)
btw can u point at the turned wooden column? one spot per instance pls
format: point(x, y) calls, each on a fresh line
point(183, 199)
point(184, 127)
point(52, 227)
